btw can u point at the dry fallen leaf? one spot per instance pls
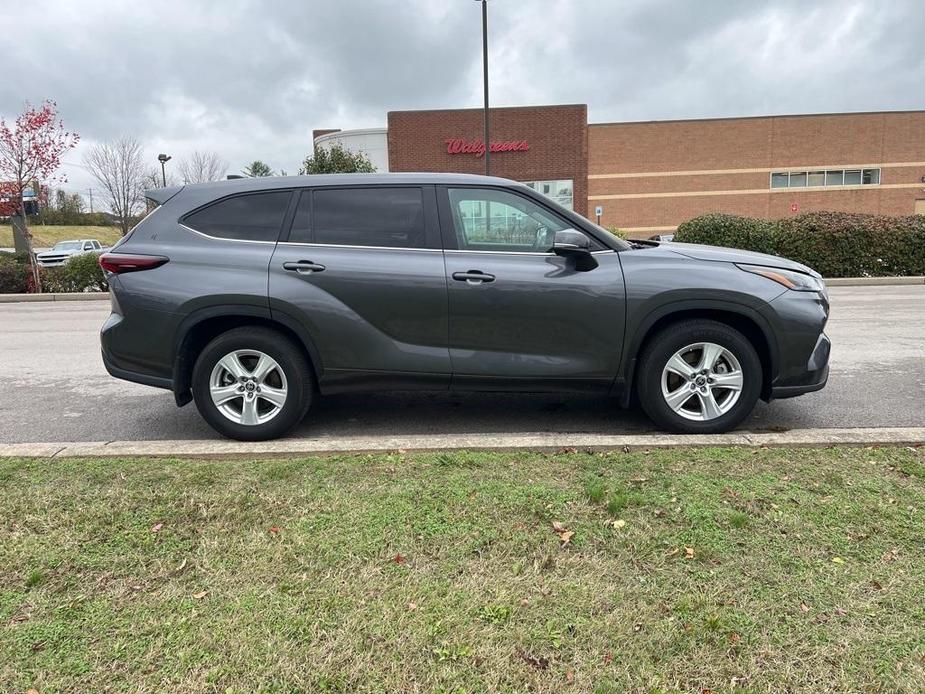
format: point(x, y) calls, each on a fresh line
point(838, 560)
point(398, 559)
point(566, 537)
point(558, 527)
point(157, 528)
point(689, 552)
point(804, 607)
point(200, 595)
point(569, 676)
point(412, 606)
point(539, 662)
point(274, 529)
point(618, 524)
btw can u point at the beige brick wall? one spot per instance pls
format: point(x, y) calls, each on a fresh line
point(744, 150)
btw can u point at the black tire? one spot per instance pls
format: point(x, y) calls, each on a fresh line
point(676, 337)
point(291, 361)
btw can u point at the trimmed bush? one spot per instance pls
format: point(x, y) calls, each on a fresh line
point(729, 230)
point(840, 244)
point(14, 274)
point(82, 273)
point(836, 244)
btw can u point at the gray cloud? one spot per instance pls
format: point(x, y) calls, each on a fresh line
point(251, 79)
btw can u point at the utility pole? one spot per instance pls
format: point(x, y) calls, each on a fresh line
point(163, 159)
point(485, 78)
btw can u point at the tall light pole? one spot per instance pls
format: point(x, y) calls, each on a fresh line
point(163, 159)
point(485, 76)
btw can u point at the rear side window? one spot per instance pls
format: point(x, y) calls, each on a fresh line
point(253, 217)
point(369, 217)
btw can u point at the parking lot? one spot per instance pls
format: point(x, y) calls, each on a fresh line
point(56, 388)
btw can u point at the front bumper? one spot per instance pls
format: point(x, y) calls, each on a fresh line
point(815, 375)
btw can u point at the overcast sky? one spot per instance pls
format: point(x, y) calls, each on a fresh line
point(251, 79)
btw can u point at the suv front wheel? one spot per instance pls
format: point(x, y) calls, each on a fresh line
point(252, 384)
point(699, 377)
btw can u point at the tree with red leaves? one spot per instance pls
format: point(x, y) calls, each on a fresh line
point(30, 154)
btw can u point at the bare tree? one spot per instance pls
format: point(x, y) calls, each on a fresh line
point(119, 168)
point(200, 167)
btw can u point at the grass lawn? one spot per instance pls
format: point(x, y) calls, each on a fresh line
point(768, 570)
point(47, 236)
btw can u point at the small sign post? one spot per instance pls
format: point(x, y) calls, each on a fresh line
point(598, 211)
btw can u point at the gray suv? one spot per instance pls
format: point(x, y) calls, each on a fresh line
point(251, 297)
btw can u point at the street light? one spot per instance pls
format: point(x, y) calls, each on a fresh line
point(485, 74)
point(163, 159)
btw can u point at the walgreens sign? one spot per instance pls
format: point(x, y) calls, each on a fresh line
point(457, 145)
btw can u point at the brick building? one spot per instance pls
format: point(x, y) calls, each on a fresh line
point(651, 176)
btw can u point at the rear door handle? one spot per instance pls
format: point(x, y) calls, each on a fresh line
point(473, 277)
point(304, 267)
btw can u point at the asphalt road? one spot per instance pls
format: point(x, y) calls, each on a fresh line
point(56, 389)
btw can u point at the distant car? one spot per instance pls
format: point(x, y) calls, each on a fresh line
point(65, 250)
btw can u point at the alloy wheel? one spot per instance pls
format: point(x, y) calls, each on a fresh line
point(702, 381)
point(248, 387)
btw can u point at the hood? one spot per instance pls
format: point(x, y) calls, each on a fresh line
point(735, 255)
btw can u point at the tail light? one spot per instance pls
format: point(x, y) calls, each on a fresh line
point(120, 263)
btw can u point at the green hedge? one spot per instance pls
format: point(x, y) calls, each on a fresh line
point(81, 273)
point(14, 274)
point(837, 244)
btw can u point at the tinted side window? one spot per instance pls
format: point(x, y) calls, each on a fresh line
point(495, 220)
point(254, 217)
point(370, 217)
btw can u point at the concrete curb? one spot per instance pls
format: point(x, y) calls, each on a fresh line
point(873, 281)
point(62, 296)
point(833, 282)
point(427, 442)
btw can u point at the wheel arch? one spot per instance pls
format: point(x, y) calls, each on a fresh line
point(202, 326)
point(745, 319)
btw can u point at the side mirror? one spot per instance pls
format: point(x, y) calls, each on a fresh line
point(569, 243)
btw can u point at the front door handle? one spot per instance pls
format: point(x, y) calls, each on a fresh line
point(304, 267)
point(473, 277)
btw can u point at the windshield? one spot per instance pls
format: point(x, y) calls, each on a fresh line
point(67, 246)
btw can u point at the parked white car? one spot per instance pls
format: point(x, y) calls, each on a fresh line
point(65, 250)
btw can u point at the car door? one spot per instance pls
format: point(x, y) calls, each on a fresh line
point(519, 315)
point(362, 271)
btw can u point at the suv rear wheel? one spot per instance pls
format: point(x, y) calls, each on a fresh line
point(699, 377)
point(252, 384)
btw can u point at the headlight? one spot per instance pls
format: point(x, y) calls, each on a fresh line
point(791, 279)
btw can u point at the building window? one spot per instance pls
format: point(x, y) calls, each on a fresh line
point(818, 179)
point(560, 191)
